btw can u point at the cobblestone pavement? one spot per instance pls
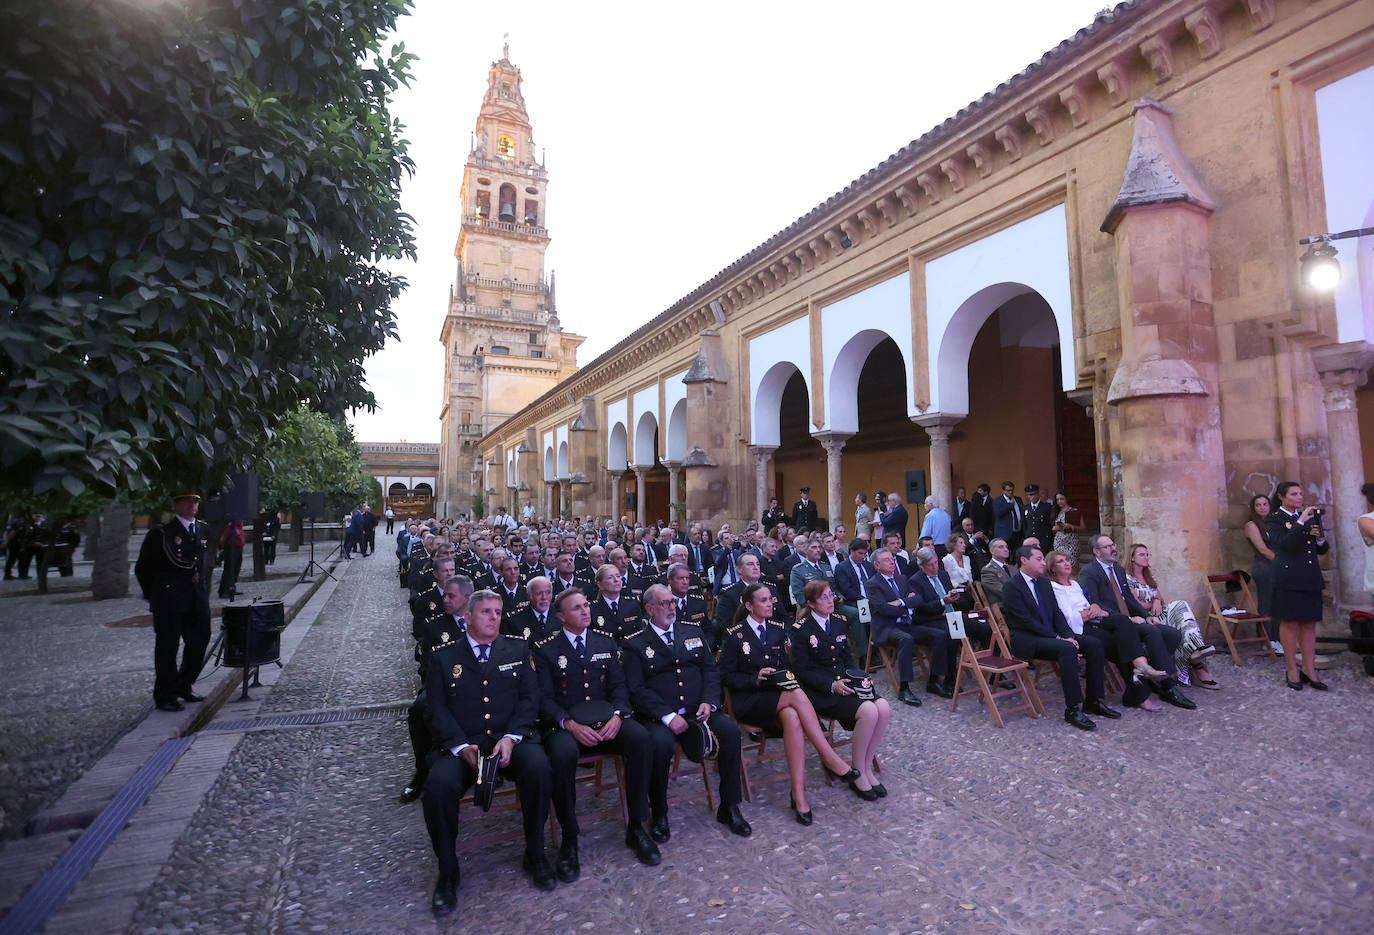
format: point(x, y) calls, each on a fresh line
point(78, 673)
point(1252, 814)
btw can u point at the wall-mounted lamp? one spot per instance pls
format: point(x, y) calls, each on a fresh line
point(1320, 268)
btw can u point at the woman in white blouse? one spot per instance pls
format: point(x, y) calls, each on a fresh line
point(958, 563)
point(1116, 632)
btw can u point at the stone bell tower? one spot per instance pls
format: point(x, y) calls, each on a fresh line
point(503, 343)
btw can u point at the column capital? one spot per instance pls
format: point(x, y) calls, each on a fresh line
point(1339, 386)
point(641, 469)
point(832, 442)
point(937, 425)
point(670, 465)
point(762, 452)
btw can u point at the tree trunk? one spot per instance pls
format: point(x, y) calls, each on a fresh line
point(259, 563)
point(297, 530)
point(108, 546)
point(47, 551)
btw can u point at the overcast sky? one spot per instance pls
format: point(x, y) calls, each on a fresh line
point(677, 138)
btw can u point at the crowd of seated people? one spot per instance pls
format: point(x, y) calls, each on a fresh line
point(540, 643)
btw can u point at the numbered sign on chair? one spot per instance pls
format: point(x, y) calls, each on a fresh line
point(956, 624)
point(865, 614)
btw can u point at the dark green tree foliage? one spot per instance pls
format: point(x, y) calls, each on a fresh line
point(312, 452)
point(197, 200)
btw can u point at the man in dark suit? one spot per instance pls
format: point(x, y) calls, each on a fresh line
point(614, 611)
point(978, 551)
point(851, 577)
point(935, 595)
point(690, 608)
point(891, 599)
point(1008, 517)
point(728, 600)
point(895, 518)
point(172, 575)
point(577, 664)
point(482, 700)
point(567, 576)
point(1104, 583)
point(642, 572)
point(893, 543)
point(804, 513)
point(698, 555)
point(726, 570)
point(675, 687)
point(536, 620)
point(430, 600)
point(1039, 631)
point(441, 627)
point(980, 509)
point(963, 508)
point(514, 596)
point(773, 515)
point(1039, 517)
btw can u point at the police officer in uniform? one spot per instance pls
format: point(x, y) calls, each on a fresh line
point(727, 602)
point(614, 611)
point(1298, 538)
point(690, 608)
point(171, 572)
point(483, 696)
point(675, 688)
point(514, 596)
point(443, 626)
point(578, 665)
point(535, 620)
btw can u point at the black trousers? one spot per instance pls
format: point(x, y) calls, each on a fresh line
point(944, 652)
point(421, 740)
point(633, 745)
point(727, 764)
point(170, 630)
point(899, 637)
point(1062, 652)
point(451, 776)
point(369, 540)
point(269, 550)
point(233, 567)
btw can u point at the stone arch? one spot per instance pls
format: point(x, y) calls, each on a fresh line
point(677, 431)
point(645, 428)
point(842, 390)
point(397, 490)
point(951, 372)
point(424, 490)
point(548, 463)
point(617, 456)
point(562, 459)
point(765, 416)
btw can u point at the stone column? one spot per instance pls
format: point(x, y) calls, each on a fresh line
point(548, 500)
point(713, 430)
point(763, 457)
point(938, 426)
point(673, 488)
point(833, 443)
point(641, 511)
point(615, 496)
point(1349, 371)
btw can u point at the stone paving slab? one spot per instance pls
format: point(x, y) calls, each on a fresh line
point(1250, 814)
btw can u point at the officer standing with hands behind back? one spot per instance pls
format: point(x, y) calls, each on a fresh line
point(171, 571)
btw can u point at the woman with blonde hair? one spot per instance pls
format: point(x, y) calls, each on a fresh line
point(1193, 650)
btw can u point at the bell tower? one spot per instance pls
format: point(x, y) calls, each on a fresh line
point(503, 343)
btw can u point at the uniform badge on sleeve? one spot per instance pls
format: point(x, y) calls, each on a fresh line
point(600, 621)
point(457, 671)
point(562, 662)
point(744, 648)
point(815, 643)
point(443, 637)
point(648, 652)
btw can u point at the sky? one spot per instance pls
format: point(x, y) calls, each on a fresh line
point(676, 137)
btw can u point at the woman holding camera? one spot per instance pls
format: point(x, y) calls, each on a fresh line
point(1366, 525)
point(821, 660)
point(752, 661)
point(1296, 536)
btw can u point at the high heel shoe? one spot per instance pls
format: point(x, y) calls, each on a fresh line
point(868, 795)
point(1296, 686)
point(1148, 671)
point(880, 789)
point(803, 818)
point(849, 778)
point(1308, 680)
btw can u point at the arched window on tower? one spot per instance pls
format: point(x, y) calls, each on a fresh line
point(531, 212)
point(483, 206)
point(507, 204)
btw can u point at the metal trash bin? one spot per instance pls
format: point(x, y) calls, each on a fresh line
point(252, 632)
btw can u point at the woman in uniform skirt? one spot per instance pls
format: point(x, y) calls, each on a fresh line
point(1297, 539)
point(821, 659)
point(746, 661)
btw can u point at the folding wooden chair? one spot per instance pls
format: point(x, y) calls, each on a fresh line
point(754, 749)
point(995, 674)
point(1230, 624)
point(886, 661)
point(505, 799)
point(595, 783)
point(677, 771)
point(980, 597)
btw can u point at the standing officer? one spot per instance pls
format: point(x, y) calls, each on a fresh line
point(482, 697)
point(804, 513)
point(171, 572)
point(675, 687)
point(579, 672)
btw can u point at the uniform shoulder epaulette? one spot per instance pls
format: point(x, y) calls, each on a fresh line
point(547, 640)
point(514, 636)
point(734, 627)
point(606, 633)
point(797, 625)
point(630, 636)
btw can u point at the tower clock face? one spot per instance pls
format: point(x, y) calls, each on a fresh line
point(505, 147)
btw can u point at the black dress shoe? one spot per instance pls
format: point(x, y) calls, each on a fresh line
point(848, 777)
point(1177, 698)
point(729, 815)
point(803, 818)
point(1101, 710)
point(1075, 718)
point(907, 696)
point(445, 898)
point(1304, 679)
point(170, 704)
point(645, 850)
point(881, 790)
point(658, 829)
point(190, 695)
point(568, 868)
point(868, 795)
point(935, 688)
point(1296, 686)
point(541, 874)
point(413, 788)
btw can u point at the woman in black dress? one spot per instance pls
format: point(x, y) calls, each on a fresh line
point(1296, 536)
point(746, 660)
point(820, 658)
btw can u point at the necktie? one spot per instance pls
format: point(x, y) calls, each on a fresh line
point(763, 634)
point(581, 647)
point(669, 637)
point(1116, 586)
point(939, 588)
point(482, 649)
point(682, 605)
point(462, 624)
point(826, 627)
point(613, 606)
point(541, 620)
